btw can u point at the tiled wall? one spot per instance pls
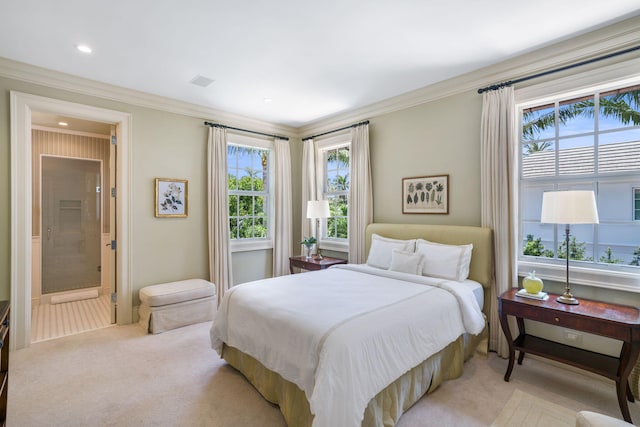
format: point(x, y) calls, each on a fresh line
point(68, 145)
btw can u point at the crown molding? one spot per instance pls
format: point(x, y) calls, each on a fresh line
point(599, 42)
point(596, 43)
point(55, 79)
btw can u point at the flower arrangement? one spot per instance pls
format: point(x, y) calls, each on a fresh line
point(308, 243)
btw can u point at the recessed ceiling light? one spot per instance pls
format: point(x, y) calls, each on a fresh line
point(63, 124)
point(84, 48)
point(267, 100)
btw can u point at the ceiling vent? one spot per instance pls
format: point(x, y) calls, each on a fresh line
point(201, 81)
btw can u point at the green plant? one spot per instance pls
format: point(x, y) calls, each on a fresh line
point(576, 250)
point(534, 247)
point(609, 259)
point(636, 257)
point(309, 241)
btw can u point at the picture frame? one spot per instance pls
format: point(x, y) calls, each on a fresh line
point(425, 194)
point(172, 198)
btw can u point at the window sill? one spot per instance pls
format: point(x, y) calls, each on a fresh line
point(332, 245)
point(251, 245)
point(608, 279)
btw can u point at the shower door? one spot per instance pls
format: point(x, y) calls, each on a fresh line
point(71, 224)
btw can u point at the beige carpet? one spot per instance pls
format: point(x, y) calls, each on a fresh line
point(120, 376)
point(525, 410)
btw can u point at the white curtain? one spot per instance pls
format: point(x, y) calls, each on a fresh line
point(360, 193)
point(282, 212)
point(499, 197)
point(308, 184)
point(220, 267)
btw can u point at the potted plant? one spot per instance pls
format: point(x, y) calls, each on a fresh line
point(308, 243)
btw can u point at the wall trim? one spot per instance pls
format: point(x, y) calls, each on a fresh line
point(605, 40)
point(599, 42)
point(42, 76)
point(22, 105)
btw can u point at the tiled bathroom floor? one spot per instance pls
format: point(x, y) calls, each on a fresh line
point(50, 321)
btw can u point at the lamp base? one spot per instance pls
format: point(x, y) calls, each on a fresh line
point(567, 298)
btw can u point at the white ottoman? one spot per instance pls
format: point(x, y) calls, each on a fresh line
point(172, 305)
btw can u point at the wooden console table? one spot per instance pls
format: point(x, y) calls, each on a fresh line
point(615, 321)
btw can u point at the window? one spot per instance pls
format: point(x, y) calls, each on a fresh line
point(249, 183)
point(587, 141)
point(333, 173)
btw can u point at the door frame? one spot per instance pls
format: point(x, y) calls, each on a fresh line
point(22, 104)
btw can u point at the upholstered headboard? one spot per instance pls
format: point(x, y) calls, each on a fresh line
point(481, 268)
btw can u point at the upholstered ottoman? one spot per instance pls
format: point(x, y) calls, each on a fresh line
point(173, 305)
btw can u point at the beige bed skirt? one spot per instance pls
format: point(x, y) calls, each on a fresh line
point(384, 409)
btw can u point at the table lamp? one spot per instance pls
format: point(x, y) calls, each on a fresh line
point(568, 207)
point(317, 209)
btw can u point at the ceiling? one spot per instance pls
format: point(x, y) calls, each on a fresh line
point(312, 59)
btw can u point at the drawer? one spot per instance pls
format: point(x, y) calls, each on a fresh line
point(578, 322)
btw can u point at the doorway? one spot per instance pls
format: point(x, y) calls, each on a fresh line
point(23, 106)
point(71, 284)
point(71, 219)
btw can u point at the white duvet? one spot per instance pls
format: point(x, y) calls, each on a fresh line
point(344, 334)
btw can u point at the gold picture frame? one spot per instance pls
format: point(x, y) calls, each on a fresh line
point(172, 198)
point(425, 195)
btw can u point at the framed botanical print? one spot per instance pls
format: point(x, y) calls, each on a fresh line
point(172, 198)
point(425, 195)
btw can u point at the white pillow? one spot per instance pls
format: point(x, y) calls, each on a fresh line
point(445, 261)
point(406, 262)
point(381, 247)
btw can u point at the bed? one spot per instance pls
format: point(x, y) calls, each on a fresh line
point(356, 345)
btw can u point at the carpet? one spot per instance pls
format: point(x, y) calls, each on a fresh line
point(525, 410)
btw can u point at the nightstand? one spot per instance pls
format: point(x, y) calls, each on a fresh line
point(312, 263)
point(615, 321)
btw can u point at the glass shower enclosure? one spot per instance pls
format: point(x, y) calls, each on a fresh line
point(71, 224)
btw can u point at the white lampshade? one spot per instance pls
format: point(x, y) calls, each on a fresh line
point(569, 207)
point(318, 209)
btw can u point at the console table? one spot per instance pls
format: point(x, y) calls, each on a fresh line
point(615, 321)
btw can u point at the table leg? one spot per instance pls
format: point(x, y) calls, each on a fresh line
point(521, 332)
point(512, 354)
point(291, 268)
point(628, 356)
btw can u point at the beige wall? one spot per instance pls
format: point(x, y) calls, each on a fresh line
point(163, 145)
point(436, 137)
point(441, 137)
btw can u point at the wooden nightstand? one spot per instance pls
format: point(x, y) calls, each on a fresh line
point(312, 263)
point(609, 320)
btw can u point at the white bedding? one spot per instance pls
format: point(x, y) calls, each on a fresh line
point(299, 326)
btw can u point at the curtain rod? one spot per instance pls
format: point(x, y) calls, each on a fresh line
point(216, 125)
point(557, 70)
point(366, 122)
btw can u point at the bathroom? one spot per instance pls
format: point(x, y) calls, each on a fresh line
point(71, 226)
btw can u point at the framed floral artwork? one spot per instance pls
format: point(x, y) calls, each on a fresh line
point(172, 198)
point(425, 195)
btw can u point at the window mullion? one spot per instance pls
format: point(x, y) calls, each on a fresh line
point(614, 178)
